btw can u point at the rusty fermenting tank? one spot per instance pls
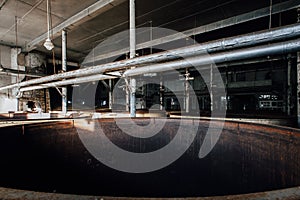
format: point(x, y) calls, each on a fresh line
point(249, 161)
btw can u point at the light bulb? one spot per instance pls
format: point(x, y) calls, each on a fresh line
point(48, 44)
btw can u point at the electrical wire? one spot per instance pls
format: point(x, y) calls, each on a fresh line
point(197, 13)
point(161, 25)
point(125, 22)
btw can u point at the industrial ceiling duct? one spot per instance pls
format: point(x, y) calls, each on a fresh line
point(232, 42)
point(240, 54)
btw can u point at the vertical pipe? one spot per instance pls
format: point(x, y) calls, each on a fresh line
point(45, 100)
point(161, 93)
point(110, 96)
point(127, 99)
point(64, 69)
point(132, 98)
point(270, 16)
point(298, 76)
point(226, 89)
point(298, 87)
point(132, 36)
point(289, 89)
point(151, 36)
point(211, 89)
point(187, 91)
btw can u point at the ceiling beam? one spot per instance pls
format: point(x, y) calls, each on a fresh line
point(256, 14)
point(88, 13)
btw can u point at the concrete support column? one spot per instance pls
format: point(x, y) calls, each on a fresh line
point(132, 38)
point(64, 69)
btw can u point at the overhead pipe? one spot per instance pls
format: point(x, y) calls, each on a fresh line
point(238, 63)
point(20, 73)
point(223, 44)
point(13, 72)
point(97, 77)
point(240, 54)
point(249, 53)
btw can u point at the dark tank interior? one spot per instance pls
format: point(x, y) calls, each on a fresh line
point(247, 158)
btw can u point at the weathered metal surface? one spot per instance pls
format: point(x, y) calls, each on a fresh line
point(248, 158)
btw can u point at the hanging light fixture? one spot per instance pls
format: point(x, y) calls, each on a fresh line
point(48, 43)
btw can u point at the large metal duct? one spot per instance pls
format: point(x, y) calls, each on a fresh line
point(259, 51)
point(228, 43)
point(241, 54)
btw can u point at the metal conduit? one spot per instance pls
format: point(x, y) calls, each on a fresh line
point(227, 43)
point(253, 52)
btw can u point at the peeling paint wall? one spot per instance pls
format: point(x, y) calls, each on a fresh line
point(34, 63)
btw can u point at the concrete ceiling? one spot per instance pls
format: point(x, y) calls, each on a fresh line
point(178, 15)
point(32, 18)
